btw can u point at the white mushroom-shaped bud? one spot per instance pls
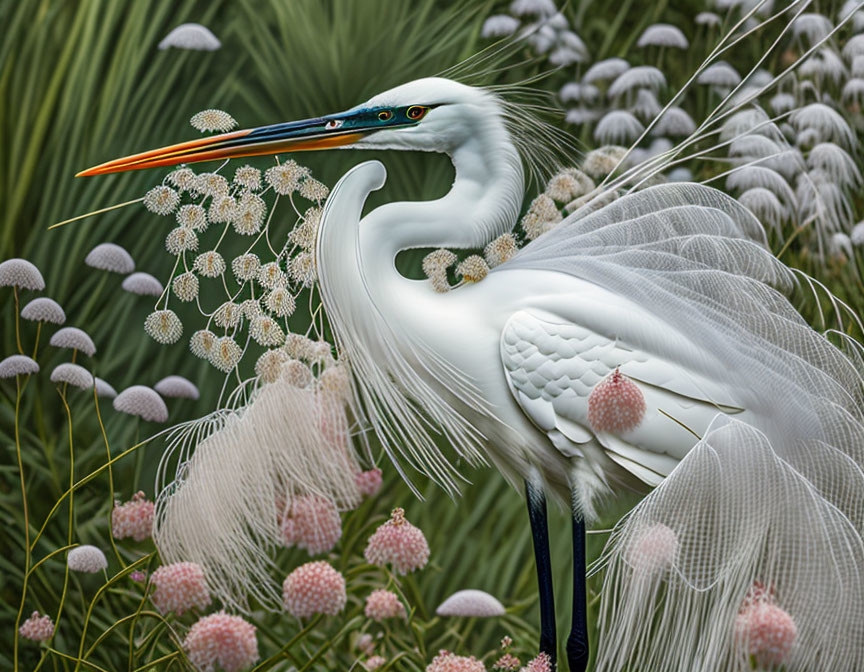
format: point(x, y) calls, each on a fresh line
point(192, 36)
point(472, 604)
point(87, 559)
point(142, 284)
point(211, 120)
point(104, 389)
point(110, 257)
point(18, 365)
point(22, 274)
point(74, 339)
point(143, 402)
point(44, 309)
point(178, 387)
point(73, 374)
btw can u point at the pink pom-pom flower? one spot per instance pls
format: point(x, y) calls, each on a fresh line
point(179, 587)
point(312, 523)
point(616, 404)
point(220, 638)
point(374, 663)
point(446, 661)
point(399, 543)
point(38, 628)
point(766, 632)
point(133, 519)
point(314, 588)
point(653, 550)
point(542, 663)
point(368, 482)
point(508, 663)
point(382, 604)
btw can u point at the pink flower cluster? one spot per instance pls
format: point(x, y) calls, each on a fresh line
point(399, 543)
point(508, 662)
point(542, 663)
point(133, 519)
point(314, 588)
point(764, 630)
point(179, 587)
point(383, 604)
point(38, 628)
point(616, 404)
point(368, 482)
point(220, 638)
point(312, 523)
point(450, 662)
point(374, 663)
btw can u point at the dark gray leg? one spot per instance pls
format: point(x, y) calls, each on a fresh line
point(540, 533)
point(577, 642)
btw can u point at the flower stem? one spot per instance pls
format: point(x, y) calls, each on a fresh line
point(17, 326)
point(27, 556)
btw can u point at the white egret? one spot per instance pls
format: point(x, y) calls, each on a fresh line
point(672, 286)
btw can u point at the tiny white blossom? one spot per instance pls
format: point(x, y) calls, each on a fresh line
point(266, 331)
point(142, 284)
point(72, 374)
point(248, 177)
point(280, 302)
point(192, 216)
point(18, 365)
point(473, 268)
point(210, 264)
point(185, 286)
point(271, 276)
point(202, 342)
point(163, 326)
point(213, 120)
point(269, 365)
point(43, 309)
point(110, 257)
point(88, 559)
point(191, 36)
point(227, 315)
point(181, 239)
point(245, 267)
point(225, 354)
point(313, 190)
point(161, 200)
point(183, 178)
point(302, 269)
point(143, 402)
point(73, 339)
point(250, 309)
point(223, 209)
point(249, 214)
point(177, 387)
point(211, 184)
point(285, 177)
point(21, 273)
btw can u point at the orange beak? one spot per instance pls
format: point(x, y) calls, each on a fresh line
point(310, 134)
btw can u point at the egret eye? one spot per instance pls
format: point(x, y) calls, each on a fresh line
point(385, 115)
point(333, 123)
point(416, 112)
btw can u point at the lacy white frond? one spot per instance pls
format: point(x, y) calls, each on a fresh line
point(220, 506)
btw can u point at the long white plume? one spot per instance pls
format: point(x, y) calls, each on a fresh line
point(224, 507)
point(679, 567)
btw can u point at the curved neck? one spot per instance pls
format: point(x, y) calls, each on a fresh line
point(483, 203)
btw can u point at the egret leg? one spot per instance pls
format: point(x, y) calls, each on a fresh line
point(540, 532)
point(577, 642)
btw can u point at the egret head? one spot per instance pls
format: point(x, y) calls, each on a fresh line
point(432, 114)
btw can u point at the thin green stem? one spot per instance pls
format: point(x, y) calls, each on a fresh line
point(265, 664)
point(169, 656)
point(17, 326)
point(38, 333)
point(110, 477)
point(27, 553)
point(71, 514)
